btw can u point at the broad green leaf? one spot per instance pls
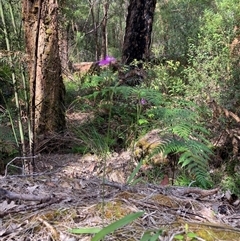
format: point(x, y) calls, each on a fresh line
point(142, 121)
point(114, 226)
point(179, 237)
point(191, 235)
point(85, 230)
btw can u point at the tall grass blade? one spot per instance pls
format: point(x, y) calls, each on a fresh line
point(135, 171)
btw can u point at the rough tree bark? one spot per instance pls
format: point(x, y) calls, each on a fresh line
point(138, 30)
point(63, 31)
point(46, 84)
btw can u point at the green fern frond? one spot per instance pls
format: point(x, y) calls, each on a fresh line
point(186, 137)
point(152, 96)
point(175, 146)
point(196, 161)
point(186, 158)
point(194, 156)
point(125, 91)
point(199, 147)
point(91, 81)
point(183, 130)
point(136, 93)
point(173, 116)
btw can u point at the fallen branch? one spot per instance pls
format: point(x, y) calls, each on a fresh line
point(26, 197)
point(165, 190)
point(201, 192)
point(28, 208)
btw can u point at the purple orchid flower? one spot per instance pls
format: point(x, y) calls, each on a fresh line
point(143, 101)
point(108, 60)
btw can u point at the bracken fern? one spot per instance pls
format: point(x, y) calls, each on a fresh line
point(186, 138)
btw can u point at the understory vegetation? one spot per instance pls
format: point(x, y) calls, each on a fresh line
point(122, 114)
point(189, 95)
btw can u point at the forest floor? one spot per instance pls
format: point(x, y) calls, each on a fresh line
point(71, 193)
point(68, 191)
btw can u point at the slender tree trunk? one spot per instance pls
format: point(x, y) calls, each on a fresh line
point(104, 30)
point(46, 83)
point(95, 20)
point(138, 30)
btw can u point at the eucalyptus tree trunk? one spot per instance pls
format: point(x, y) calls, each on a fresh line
point(63, 46)
point(138, 30)
point(46, 84)
point(95, 12)
point(104, 30)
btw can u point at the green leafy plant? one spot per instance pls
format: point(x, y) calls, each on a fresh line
point(167, 79)
point(131, 179)
point(138, 110)
point(185, 137)
point(151, 235)
point(101, 233)
point(186, 235)
point(12, 56)
point(184, 179)
point(231, 183)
